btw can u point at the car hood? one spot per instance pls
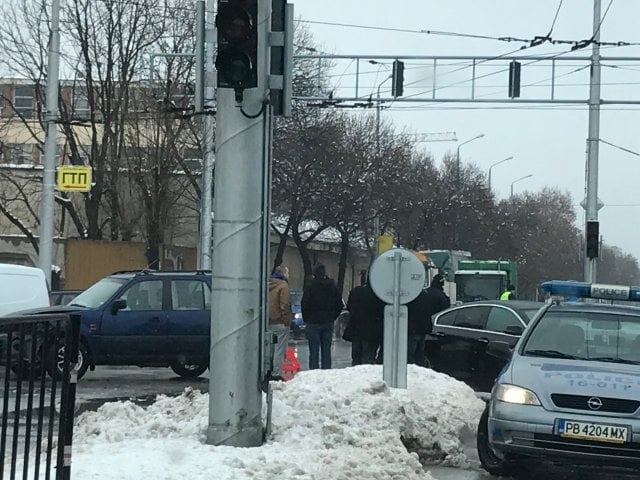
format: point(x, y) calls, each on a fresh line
point(546, 376)
point(50, 310)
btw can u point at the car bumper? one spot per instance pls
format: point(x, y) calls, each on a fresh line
point(526, 430)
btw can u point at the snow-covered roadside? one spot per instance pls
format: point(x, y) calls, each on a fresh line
point(334, 424)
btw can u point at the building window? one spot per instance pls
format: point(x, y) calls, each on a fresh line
point(21, 154)
point(80, 103)
point(23, 100)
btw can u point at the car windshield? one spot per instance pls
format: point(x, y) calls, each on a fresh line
point(99, 292)
point(605, 337)
point(478, 287)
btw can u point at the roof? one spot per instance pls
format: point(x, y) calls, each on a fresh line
point(516, 304)
point(596, 307)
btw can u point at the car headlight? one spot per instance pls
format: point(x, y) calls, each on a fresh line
point(297, 315)
point(514, 394)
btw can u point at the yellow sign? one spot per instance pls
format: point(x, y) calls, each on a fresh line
point(73, 178)
point(385, 242)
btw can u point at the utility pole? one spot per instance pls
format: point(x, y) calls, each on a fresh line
point(45, 256)
point(591, 203)
point(238, 282)
point(205, 42)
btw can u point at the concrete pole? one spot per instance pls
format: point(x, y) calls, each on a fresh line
point(208, 147)
point(235, 397)
point(591, 214)
point(45, 258)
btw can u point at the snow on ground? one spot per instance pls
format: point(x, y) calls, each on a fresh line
point(343, 424)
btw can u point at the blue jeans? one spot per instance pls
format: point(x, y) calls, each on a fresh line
point(319, 336)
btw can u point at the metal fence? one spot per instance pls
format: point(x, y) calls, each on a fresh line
point(38, 395)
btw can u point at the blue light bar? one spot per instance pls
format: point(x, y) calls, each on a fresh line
point(590, 290)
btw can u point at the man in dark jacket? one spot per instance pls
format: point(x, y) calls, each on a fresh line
point(427, 303)
point(366, 314)
point(321, 304)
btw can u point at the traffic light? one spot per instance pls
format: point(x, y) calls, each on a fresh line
point(237, 59)
point(514, 79)
point(593, 239)
point(397, 78)
point(281, 69)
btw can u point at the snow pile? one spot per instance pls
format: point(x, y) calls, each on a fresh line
point(343, 424)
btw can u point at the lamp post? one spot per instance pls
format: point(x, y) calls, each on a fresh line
point(493, 165)
point(516, 181)
point(458, 152)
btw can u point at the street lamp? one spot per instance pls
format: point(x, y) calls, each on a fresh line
point(493, 165)
point(458, 152)
point(516, 181)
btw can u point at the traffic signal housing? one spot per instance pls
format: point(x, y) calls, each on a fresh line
point(397, 78)
point(514, 79)
point(593, 239)
point(237, 58)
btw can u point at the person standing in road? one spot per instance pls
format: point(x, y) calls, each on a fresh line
point(421, 309)
point(321, 305)
point(509, 293)
point(366, 314)
point(280, 316)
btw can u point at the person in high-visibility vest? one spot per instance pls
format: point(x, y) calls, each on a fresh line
point(509, 293)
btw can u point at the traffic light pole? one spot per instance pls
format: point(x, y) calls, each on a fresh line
point(591, 203)
point(238, 282)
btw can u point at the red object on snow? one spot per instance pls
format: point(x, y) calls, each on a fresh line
point(290, 366)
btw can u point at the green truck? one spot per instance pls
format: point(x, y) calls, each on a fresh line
point(484, 279)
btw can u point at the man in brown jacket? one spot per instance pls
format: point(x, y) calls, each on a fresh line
point(280, 316)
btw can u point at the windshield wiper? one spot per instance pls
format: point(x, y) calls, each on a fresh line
point(550, 353)
point(614, 360)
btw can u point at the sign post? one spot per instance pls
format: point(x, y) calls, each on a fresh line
point(397, 277)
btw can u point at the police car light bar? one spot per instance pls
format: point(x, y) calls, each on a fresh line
point(590, 290)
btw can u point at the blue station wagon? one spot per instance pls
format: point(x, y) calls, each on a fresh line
point(143, 318)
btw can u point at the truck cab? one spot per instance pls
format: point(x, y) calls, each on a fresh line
point(475, 285)
point(484, 279)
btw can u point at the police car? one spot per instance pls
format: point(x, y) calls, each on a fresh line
point(570, 392)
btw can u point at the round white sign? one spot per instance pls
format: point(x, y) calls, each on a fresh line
point(412, 275)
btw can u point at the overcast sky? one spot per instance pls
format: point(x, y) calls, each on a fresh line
point(548, 142)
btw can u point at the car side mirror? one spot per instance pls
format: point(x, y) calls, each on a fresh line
point(119, 304)
point(499, 349)
point(514, 330)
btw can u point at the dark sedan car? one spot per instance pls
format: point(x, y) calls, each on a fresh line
point(458, 343)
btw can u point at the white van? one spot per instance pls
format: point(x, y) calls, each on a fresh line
point(22, 288)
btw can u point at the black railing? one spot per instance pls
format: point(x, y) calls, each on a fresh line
point(36, 372)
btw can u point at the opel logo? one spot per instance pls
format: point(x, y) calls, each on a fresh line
point(594, 403)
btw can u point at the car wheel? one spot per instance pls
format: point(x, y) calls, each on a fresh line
point(189, 368)
point(488, 458)
point(55, 361)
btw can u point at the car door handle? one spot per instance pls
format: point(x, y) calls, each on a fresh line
point(437, 334)
point(483, 340)
point(154, 319)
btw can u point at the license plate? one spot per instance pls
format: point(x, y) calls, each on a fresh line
point(599, 432)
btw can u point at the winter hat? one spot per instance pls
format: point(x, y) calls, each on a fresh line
point(281, 272)
point(320, 271)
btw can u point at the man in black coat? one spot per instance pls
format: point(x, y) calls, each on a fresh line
point(427, 303)
point(321, 304)
point(366, 314)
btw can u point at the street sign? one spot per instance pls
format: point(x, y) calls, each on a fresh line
point(412, 276)
point(72, 178)
point(397, 277)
